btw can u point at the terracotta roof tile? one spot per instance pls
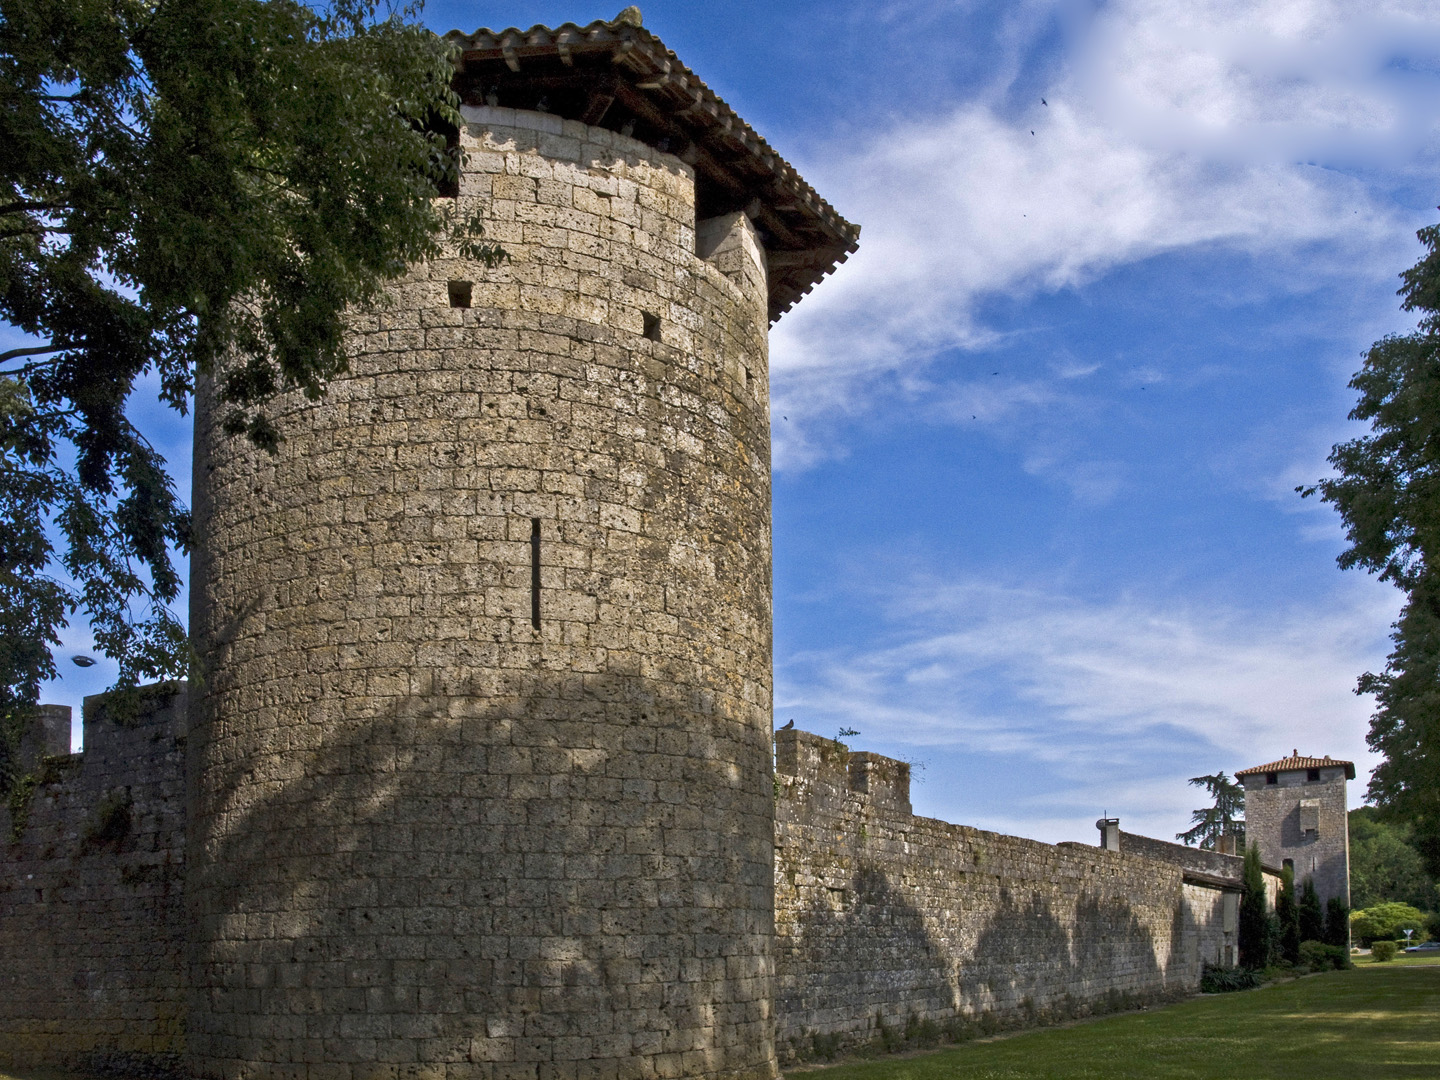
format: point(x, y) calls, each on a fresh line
point(1295, 762)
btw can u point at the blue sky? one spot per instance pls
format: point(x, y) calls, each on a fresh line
point(1036, 443)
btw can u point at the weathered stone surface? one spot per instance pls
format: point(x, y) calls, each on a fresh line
point(1196, 859)
point(91, 903)
point(1303, 823)
point(425, 834)
point(419, 835)
point(882, 917)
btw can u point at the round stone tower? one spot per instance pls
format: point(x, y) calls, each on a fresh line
point(480, 763)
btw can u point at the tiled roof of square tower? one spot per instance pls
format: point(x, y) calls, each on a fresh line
point(620, 76)
point(1295, 762)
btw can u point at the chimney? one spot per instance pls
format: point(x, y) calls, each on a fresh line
point(1109, 833)
point(1225, 843)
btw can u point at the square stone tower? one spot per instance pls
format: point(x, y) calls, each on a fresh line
point(1296, 810)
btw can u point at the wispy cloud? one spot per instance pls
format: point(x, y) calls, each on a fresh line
point(1094, 693)
point(1175, 126)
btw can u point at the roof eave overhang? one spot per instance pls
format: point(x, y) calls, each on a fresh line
point(608, 74)
point(1280, 767)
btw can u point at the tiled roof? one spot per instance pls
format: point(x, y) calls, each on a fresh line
point(620, 76)
point(1295, 761)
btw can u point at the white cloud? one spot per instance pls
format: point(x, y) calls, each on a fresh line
point(1177, 125)
point(1093, 693)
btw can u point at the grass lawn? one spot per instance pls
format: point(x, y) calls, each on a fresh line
point(1379, 1020)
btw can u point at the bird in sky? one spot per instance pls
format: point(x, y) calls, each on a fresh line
point(788, 726)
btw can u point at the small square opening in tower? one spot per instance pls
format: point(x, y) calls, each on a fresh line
point(460, 293)
point(1272, 778)
point(1311, 775)
point(650, 325)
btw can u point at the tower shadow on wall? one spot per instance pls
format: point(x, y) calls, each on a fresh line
point(1020, 966)
point(382, 947)
point(1028, 966)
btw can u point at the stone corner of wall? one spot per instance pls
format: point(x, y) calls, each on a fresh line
point(162, 703)
point(885, 780)
point(46, 735)
point(829, 765)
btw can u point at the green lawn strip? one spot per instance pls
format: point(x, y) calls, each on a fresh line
point(1379, 1020)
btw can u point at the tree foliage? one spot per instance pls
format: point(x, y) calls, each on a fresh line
point(1254, 913)
point(1225, 817)
point(1386, 922)
point(184, 181)
point(1387, 489)
point(1337, 923)
point(1311, 914)
point(1287, 914)
point(1385, 865)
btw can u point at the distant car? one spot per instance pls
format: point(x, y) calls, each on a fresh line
point(1425, 946)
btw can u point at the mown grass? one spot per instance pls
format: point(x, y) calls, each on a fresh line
point(1378, 1020)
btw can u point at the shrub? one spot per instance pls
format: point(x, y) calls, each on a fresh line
point(1381, 951)
point(1385, 921)
point(1337, 922)
point(1222, 980)
point(1318, 956)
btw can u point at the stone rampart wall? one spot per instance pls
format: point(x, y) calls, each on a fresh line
point(1188, 858)
point(91, 906)
point(883, 917)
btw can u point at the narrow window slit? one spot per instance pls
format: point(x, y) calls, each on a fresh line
point(535, 573)
point(460, 293)
point(651, 325)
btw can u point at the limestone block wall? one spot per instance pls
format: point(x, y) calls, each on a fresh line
point(1212, 925)
point(91, 893)
point(1304, 822)
point(880, 914)
point(1190, 858)
point(481, 771)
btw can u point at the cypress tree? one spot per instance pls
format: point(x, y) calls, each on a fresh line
point(1337, 923)
point(1312, 916)
point(1287, 915)
point(1254, 916)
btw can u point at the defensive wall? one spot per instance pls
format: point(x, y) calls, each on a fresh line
point(478, 781)
point(881, 917)
point(92, 919)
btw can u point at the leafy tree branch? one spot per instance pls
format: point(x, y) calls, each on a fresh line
point(1387, 489)
point(185, 182)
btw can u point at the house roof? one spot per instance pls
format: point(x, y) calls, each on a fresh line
point(1295, 761)
point(618, 75)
